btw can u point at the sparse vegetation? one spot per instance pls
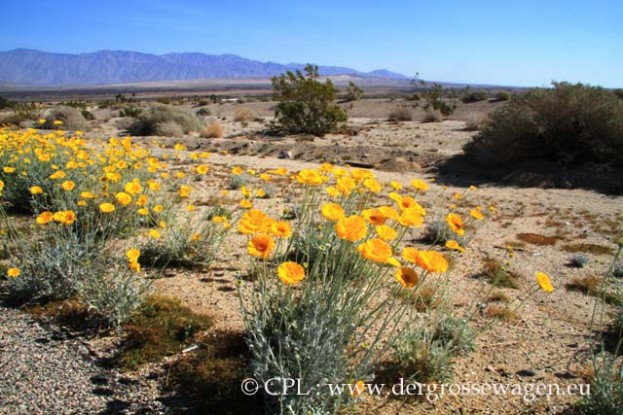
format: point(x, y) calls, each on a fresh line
point(400, 114)
point(161, 119)
point(65, 118)
point(213, 130)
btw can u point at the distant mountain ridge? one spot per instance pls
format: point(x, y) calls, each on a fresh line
point(37, 68)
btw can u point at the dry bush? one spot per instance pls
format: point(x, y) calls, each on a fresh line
point(400, 114)
point(213, 130)
point(477, 122)
point(567, 124)
point(71, 118)
point(160, 119)
point(432, 115)
point(243, 114)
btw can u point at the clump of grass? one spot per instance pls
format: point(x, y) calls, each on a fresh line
point(476, 123)
point(588, 248)
point(432, 115)
point(498, 296)
point(243, 114)
point(498, 275)
point(500, 312)
point(163, 327)
point(70, 314)
point(590, 285)
point(70, 118)
point(400, 114)
point(578, 261)
point(160, 119)
point(203, 112)
point(213, 130)
point(536, 239)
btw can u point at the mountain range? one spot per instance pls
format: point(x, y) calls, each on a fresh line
point(36, 68)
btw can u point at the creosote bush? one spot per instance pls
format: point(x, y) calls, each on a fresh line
point(400, 114)
point(161, 119)
point(306, 105)
point(70, 118)
point(568, 124)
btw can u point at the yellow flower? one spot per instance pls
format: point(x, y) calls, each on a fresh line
point(261, 246)
point(473, 188)
point(372, 185)
point(419, 185)
point(544, 282)
point(143, 211)
point(454, 245)
point(87, 195)
point(345, 185)
point(431, 261)
point(180, 175)
point(373, 216)
point(162, 224)
point(245, 192)
point(352, 228)
point(326, 167)
point(389, 212)
point(154, 234)
point(13, 272)
point(411, 217)
point(458, 196)
point(195, 237)
point(310, 177)
point(375, 250)
point(260, 193)
point(153, 185)
point(134, 266)
point(41, 121)
point(290, 273)
point(332, 211)
point(358, 388)
point(9, 169)
point(254, 221)
point(82, 203)
point(265, 177)
point(395, 185)
point(281, 229)
point(106, 207)
point(123, 198)
point(158, 208)
point(407, 277)
point(58, 175)
point(386, 233)
point(185, 191)
point(133, 188)
point(141, 201)
point(332, 191)
point(191, 208)
point(66, 217)
point(408, 202)
point(455, 223)
point(44, 218)
point(246, 204)
point(133, 254)
point(202, 169)
point(476, 214)
point(57, 123)
point(236, 171)
point(36, 190)
point(1, 185)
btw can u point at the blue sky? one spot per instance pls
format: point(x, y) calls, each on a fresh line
point(523, 43)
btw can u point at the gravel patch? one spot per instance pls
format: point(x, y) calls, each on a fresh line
point(44, 372)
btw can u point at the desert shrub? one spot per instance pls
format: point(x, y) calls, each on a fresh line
point(400, 114)
point(12, 119)
point(70, 118)
point(578, 261)
point(502, 95)
point(353, 92)
point(243, 114)
point(416, 96)
point(432, 115)
point(437, 99)
point(618, 93)
point(130, 111)
point(5, 103)
point(203, 112)
point(213, 130)
point(476, 122)
point(169, 129)
point(306, 105)
point(474, 96)
point(159, 119)
point(568, 124)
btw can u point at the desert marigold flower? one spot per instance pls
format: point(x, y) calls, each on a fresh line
point(373, 216)
point(87, 195)
point(290, 273)
point(237, 171)
point(261, 193)
point(142, 211)
point(202, 169)
point(246, 204)
point(280, 229)
point(254, 221)
point(455, 223)
point(458, 196)
point(153, 185)
point(408, 202)
point(141, 201)
point(261, 246)
point(395, 185)
point(34, 190)
point(41, 121)
point(246, 192)
point(473, 188)
point(133, 188)
point(180, 175)
point(407, 277)
point(154, 234)
point(195, 237)
point(419, 184)
point(476, 214)
point(44, 218)
point(65, 217)
point(332, 191)
point(310, 177)
point(544, 282)
point(133, 254)
point(361, 174)
point(332, 211)
point(375, 250)
point(327, 167)
point(57, 123)
point(106, 207)
point(13, 272)
point(454, 245)
point(372, 185)
point(58, 175)
point(134, 266)
point(386, 232)
point(357, 389)
point(191, 208)
point(345, 185)
point(411, 217)
point(158, 208)
point(82, 203)
point(265, 177)
point(185, 191)
point(9, 169)
point(389, 212)
point(352, 228)
point(1, 185)
point(431, 261)
point(123, 198)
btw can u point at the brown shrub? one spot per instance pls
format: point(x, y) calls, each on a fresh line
point(213, 130)
point(432, 115)
point(243, 114)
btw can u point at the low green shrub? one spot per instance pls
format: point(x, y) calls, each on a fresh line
point(161, 119)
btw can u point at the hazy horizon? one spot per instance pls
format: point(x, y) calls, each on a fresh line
point(480, 42)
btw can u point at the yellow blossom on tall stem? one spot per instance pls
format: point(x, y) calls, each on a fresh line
point(290, 273)
point(13, 272)
point(375, 250)
point(261, 246)
point(544, 282)
point(332, 211)
point(352, 228)
point(455, 223)
point(106, 207)
point(407, 277)
point(419, 184)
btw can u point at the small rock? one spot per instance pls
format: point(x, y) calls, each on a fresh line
point(526, 373)
point(285, 154)
point(565, 375)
